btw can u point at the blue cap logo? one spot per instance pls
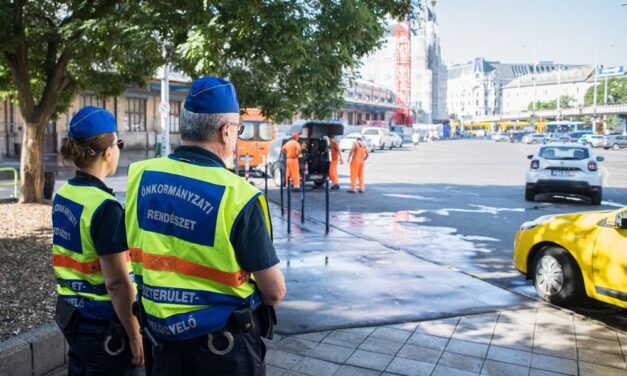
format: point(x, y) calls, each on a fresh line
point(212, 95)
point(91, 121)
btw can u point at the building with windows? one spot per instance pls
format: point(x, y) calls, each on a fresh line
point(476, 88)
point(572, 83)
point(428, 73)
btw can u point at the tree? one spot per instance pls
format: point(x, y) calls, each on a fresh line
point(283, 57)
point(565, 102)
point(616, 91)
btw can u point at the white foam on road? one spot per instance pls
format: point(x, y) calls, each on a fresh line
point(480, 209)
point(412, 197)
point(613, 204)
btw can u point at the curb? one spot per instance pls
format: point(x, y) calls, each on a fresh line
point(34, 353)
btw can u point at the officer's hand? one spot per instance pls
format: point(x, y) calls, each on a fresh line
point(137, 350)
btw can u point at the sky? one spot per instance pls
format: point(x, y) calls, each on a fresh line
point(565, 31)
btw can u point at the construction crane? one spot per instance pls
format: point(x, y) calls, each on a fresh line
point(402, 73)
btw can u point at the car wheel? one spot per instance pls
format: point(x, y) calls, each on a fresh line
point(391, 146)
point(530, 194)
point(276, 176)
point(557, 277)
point(596, 198)
point(616, 146)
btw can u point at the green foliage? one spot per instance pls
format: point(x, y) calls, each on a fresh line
point(283, 56)
point(616, 91)
point(565, 102)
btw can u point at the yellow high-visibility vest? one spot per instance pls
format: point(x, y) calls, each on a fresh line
point(75, 261)
point(179, 219)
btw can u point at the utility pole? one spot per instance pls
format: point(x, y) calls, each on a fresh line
point(559, 92)
point(164, 107)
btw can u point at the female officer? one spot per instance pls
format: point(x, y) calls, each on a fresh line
point(90, 261)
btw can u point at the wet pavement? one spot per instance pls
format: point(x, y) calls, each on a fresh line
point(342, 281)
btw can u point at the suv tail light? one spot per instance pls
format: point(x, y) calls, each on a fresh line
point(535, 164)
point(592, 166)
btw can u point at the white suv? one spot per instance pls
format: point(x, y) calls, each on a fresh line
point(379, 137)
point(567, 168)
point(594, 140)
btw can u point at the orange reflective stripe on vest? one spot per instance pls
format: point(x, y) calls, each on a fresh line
point(62, 261)
point(182, 266)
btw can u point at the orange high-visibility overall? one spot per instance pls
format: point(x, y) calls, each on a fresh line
point(292, 151)
point(335, 159)
point(360, 152)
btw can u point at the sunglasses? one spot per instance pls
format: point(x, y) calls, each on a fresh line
point(240, 128)
point(120, 144)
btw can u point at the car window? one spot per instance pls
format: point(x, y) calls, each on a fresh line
point(249, 132)
point(371, 132)
point(564, 153)
point(266, 132)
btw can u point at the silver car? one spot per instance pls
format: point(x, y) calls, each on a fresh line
point(615, 141)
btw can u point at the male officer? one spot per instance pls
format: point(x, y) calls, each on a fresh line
point(200, 242)
point(292, 152)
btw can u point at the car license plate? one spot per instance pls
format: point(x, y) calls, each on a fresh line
point(315, 177)
point(562, 173)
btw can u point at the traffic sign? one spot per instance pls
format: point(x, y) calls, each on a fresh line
point(611, 71)
point(164, 108)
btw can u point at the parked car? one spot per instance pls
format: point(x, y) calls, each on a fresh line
point(346, 143)
point(500, 137)
point(379, 137)
point(558, 137)
point(564, 168)
point(534, 138)
point(396, 139)
point(594, 140)
point(615, 141)
point(517, 136)
point(576, 136)
point(570, 256)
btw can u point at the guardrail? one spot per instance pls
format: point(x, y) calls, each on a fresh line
point(15, 180)
point(601, 109)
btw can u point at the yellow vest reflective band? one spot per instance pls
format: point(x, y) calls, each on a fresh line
point(75, 261)
point(179, 219)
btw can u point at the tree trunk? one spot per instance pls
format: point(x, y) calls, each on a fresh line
point(32, 166)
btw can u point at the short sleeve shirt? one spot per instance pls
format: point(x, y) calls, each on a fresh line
point(250, 238)
point(107, 228)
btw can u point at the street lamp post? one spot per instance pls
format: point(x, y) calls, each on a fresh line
point(534, 79)
point(559, 91)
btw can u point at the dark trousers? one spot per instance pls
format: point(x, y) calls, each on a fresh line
point(192, 357)
point(87, 355)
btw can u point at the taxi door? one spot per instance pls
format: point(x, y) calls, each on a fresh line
point(609, 264)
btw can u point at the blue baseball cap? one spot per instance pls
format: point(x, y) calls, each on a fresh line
point(91, 121)
point(212, 95)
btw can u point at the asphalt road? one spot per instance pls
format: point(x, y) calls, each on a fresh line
point(459, 204)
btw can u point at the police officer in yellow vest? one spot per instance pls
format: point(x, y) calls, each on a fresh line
point(89, 254)
point(200, 240)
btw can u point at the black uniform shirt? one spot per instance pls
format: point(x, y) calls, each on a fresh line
point(250, 238)
point(107, 226)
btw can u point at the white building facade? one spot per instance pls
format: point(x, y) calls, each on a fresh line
point(428, 73)
point(572, 83)
point(476, 88)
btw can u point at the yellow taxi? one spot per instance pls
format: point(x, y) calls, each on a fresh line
point(570, 255)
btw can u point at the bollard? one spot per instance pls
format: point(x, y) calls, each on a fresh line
point(281, 186)
point(247, 168)
point(326, 203)
point(302, 195)
point(289, 205)
point(265, 174)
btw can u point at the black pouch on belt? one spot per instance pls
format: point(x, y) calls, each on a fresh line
point(65, 316)
point(243, 317)
point(267, 320)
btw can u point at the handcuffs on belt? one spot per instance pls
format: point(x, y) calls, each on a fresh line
point(115, 332)
point(229, 337)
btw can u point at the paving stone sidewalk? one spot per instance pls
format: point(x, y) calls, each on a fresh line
point(543, 341)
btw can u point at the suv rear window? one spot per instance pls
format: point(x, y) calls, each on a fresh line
point(564, 153)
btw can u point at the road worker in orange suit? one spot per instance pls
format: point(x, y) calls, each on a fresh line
point(336, 157)
point(356, 158)
point(292, 152)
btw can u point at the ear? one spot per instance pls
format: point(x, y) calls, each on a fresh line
point(224, 134)
point(107, 155)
